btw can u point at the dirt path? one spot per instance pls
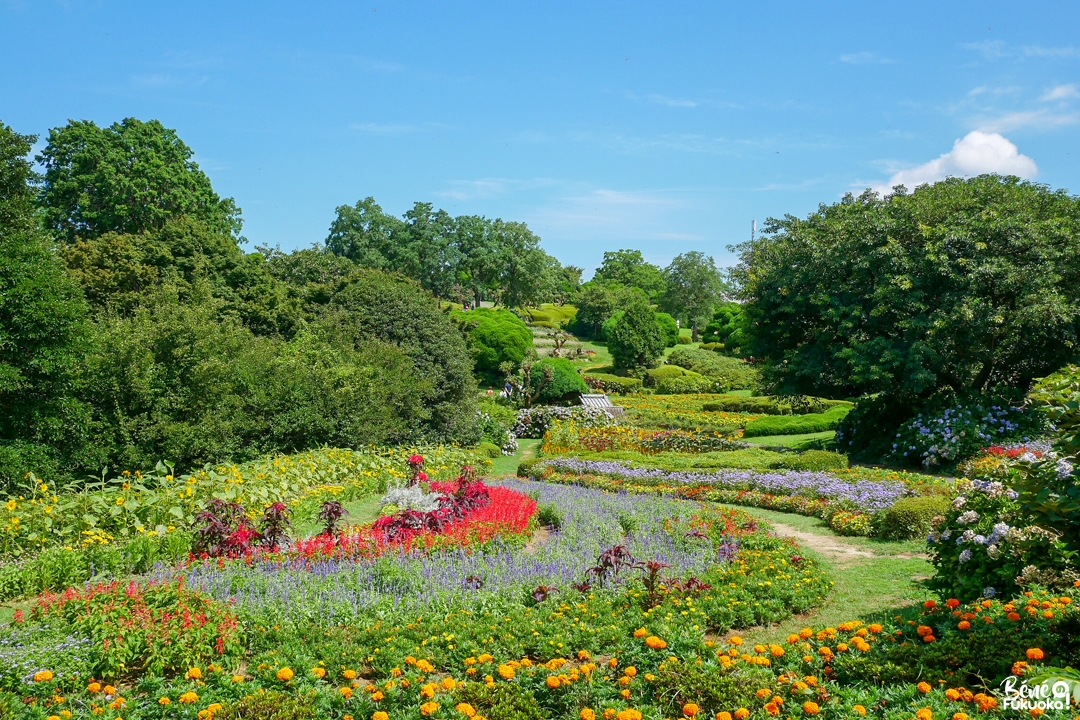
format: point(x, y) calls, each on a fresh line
point(832, 548)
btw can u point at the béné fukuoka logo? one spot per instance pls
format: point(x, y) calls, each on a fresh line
point(1050, 691)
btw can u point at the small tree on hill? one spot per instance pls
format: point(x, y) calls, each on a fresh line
point(636, 339)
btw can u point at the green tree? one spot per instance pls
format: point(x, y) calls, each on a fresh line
point(131, 177)
point(42, 330)
point(669, 327)
point(693, 288)
point(366, 235)
point(596, 303)
point(636, 340)
point(629, 269)
point(556, 380)
point(962, 284)
point(728, 326)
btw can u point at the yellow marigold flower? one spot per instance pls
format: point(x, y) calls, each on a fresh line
point(811, 708)
point(424, 666)
point(806, 633)
point(655, 643)
point(318, 672)
point(53, 717)
point(429, 708)
point(93, 688)
point(349, 674)
point(609, 713)
point(346, 692)
point(189, 698)
point(428, 691)
point(742, 714)
point(43, 676)
point(164, 701)
point(736, 640)
point(628, 714)
point(630, 671)
point(285, 674)
point(506, 672)
point(924, 714)
point(924, 687)
point(640, 632)
point(723, 715)
point(553, 681)
point(465, 709)
point(583, 655)
point(587, 714)
point(377, 696)
point(238, 678)
point(379, 715)
point(448, 683)
point(960, 716)
point(859, 709)
point(194, 673)
point(484, 658)
point(109, 690)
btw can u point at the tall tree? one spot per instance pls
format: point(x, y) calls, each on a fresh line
point(962, 284)
point(636, 339)
point(42, 327)
point(131, 177)
point(694, 287)
point(629, 269)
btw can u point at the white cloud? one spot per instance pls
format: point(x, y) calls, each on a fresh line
point(490, 187)
point(865, 58)
point(1028, 118)
point(1062, 52)
point(989, 48)
point(976, 153)
point(1061, 92)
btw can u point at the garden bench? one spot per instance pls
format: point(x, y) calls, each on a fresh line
point(603, 403)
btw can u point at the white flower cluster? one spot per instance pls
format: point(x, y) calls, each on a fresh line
point(411, 498)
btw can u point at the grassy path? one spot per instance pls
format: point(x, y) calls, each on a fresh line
point(872, 576)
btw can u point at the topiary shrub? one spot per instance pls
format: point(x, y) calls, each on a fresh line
point(691, 383)
point(489, 450)
point(751, 405)
point(565, 380)
point(909, 518)
point(684, 340)
point(635, 339)
point(733, 373)
point(814, 460)
point(606, 383)
point(495, 336)
point(655, 376)
point(670, 329)
point(796, 424)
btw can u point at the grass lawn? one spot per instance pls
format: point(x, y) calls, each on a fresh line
point(806, 441)
point(873, 577)
point(508, 464)
point(361, 512)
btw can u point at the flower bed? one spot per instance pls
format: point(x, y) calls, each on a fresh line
point(507, 514)
point(152, 503)
point(566, 436)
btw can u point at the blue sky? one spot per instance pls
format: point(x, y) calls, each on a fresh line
point(665, 127)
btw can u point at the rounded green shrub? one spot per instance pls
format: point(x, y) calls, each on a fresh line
point(496, 336)
point(670, 329)
point(529, 467)
point(690, 383)
point(796, 424)
point(635, 339)
point(909, 518)
point(655, 376)
point(565, 379)
point(489, 450)
point(684, 340)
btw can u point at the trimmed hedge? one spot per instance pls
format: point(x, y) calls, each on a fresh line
point(691, 383)
point(909, 518)
point(796, 424)
point(612, 383)
point(655, 376)
point(753, 405)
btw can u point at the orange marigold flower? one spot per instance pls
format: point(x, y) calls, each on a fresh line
point(952, 694)
point(429, 708)
point(640, 632)
point(1035, 654)
point(924, 687)
point(285, 674)
point(859, 709)
point(318, 672)
point(811, 708)
point(742, 714)
point(188, 698)
point(806, 633)
point(379, 715)
point(349, 674)
point(964, 625)
point(506, 672)
point(929, 638)
point(952, 603)
point(587, 714)
point(655, 643)
point(690, 709)
point(960, 716)
point(194, 673)
point(346, 692)
point(876, 628)
point(763, 693)
point(1014, 616)
point(628, 714)
point(723, 715)
point(553, 681)
point(792, 639)
point(43, 676)
point(924, 714)
point(929, 604)
point(448, 683)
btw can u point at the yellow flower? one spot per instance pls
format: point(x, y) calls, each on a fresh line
point(587, 714)
point(319, 672)
point(506, 672)
point(349, 674)
point(188, 698)
point(43, 676)
point(429, 708)
point(379, 715)
point(553, 681)
point(194, 674)
point(164, 701)
point(238, 678)
point(465, 709)
point(448, 683)
point(285, 674)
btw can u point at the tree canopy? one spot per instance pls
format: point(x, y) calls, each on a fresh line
point(131, 177)
point(629, 269)
point(961, 284)
point(693, 288)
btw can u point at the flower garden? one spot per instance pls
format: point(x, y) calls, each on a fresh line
point(626, 574)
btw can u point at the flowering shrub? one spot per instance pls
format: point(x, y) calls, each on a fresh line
point(957, 432)
point(985, 545)
point(162, 628)
point(534, 422)
point(852, 523)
